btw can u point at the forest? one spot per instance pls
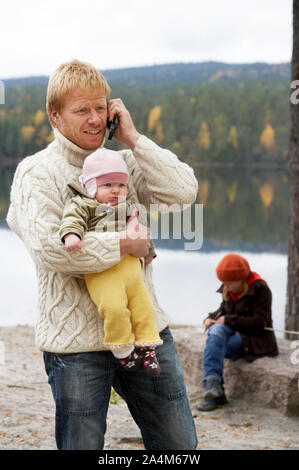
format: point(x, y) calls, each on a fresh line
point(225, 119)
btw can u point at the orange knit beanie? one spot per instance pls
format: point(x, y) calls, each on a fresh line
point(232, 267)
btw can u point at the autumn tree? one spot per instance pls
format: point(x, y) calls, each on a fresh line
point(268, 137)
point(292, 305)
point(266, 194)
point(153, 117)
point(204, 136)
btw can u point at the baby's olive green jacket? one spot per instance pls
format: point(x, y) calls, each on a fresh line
point(84, 214)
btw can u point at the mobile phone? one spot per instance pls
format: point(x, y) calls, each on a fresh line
point(111, 126)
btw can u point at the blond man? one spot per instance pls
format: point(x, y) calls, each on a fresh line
point(69, 330)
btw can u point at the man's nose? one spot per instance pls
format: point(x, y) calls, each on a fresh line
point(94, 118)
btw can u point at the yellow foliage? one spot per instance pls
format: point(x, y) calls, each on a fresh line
point(203, 192)
point(233, 137)
point(159, 132)
point(39, 117)
point(204, 136)
point(266, 194)
point(27, 133)
point(231, 192)
point(192, 100)
point(176, 146)
point(43, 133)
point(267, 137)
point(50, 137)
point(153, 117)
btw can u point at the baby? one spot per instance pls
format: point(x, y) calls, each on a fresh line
point(100, 204)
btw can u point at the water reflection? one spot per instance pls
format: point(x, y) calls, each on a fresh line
point(243, 208)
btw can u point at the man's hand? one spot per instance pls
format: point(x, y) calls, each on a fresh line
point(136, 239)
point(125, 130)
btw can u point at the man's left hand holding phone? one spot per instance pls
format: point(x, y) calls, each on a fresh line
point(120, 124)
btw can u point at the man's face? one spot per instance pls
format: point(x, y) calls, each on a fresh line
point(83, 117)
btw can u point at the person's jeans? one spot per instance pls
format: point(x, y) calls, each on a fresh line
point(81, 385)
point(222, 342)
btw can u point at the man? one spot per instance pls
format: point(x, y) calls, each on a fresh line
point(236, 329)
point(69, 329)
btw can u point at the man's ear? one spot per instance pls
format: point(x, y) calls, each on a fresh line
point(54, 116)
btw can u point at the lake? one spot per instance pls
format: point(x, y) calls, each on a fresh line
point(185, 282)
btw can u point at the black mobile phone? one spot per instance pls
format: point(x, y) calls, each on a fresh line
point(111, 126)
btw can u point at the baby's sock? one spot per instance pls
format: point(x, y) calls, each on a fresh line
point(131, 362)
point(149, 360)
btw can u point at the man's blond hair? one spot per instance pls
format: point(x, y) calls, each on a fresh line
point(74, 74)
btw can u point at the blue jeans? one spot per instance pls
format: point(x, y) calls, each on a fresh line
point(222, 342)
point(81, 385)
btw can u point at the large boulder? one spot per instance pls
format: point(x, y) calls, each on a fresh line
point(272, 382)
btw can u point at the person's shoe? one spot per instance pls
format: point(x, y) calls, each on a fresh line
point(212, 404)
point(212, 388)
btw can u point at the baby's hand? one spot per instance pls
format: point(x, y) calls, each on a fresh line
point(72, 242)
point(148, 259)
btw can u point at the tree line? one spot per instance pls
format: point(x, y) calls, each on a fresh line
point(223, 122)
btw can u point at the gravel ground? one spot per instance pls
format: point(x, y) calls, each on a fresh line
point(27, 411)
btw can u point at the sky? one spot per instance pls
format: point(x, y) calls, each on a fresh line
point(37, 36)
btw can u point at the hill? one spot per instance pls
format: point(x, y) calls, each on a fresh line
point(188, 73)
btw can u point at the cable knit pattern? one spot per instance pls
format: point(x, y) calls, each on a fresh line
point(67, 320)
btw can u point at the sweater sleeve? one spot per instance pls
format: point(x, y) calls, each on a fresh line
point(160, 177)
point(35, 215)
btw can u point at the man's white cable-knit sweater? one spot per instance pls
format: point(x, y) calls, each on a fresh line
point(67, 320)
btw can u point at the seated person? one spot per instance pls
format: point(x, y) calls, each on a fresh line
point(236, 329)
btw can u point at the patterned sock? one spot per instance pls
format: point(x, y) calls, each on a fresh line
point(131, 362)
point(149, 361)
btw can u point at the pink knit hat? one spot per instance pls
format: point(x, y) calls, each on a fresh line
point(100, 167)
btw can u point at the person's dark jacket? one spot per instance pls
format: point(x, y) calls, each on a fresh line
point(249, 315)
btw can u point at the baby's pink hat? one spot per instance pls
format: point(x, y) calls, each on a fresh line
point(101, 167)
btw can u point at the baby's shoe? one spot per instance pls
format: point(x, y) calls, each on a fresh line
point(132, 362)
point(149, 361)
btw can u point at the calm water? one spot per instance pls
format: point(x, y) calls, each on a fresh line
point(185, 282)
point(243, 208)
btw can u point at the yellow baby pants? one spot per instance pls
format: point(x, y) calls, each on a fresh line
point(125, 304)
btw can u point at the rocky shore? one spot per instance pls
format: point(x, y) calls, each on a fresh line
point(27, 411)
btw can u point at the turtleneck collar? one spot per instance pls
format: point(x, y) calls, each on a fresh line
point(75, 155)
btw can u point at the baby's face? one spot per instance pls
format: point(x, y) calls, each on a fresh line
point(112, 193)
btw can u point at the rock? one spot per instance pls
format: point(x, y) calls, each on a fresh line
point(271, 382)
